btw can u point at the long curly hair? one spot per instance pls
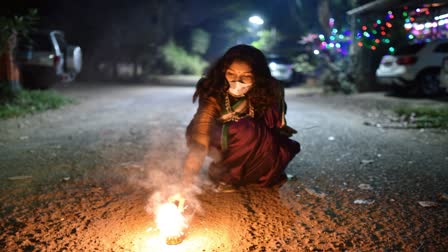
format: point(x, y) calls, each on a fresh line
point(266, 90)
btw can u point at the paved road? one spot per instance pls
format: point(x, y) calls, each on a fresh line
point(133, 134)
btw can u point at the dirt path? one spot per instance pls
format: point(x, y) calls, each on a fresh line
point(97, 165)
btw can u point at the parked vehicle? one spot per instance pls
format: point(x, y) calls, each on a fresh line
point(46, 58)
point(282, 69)
point(444, 75)
point(414, 68)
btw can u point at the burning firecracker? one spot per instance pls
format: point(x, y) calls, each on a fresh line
point(171, 223)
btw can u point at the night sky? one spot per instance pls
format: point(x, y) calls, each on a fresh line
point(98, 24)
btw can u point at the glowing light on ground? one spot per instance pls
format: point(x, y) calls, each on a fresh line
point(170, 221)
point(197, 240)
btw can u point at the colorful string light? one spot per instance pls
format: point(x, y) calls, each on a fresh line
point(379, 33)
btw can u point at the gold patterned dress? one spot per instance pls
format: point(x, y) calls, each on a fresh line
point(252, 149)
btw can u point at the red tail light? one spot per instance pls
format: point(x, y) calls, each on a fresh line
point(56, 60)
point(406, 60)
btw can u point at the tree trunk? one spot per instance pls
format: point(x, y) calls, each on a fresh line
point(9, 72)
point(363, 69)
point(362, 66)
point(324, 14)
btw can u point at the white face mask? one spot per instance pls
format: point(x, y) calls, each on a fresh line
point(239, 89)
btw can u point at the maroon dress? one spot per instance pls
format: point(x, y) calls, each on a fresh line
point(255, 151)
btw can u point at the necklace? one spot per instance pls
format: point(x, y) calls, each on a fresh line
point(235, 116)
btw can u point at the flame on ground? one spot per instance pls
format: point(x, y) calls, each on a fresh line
point(170, 221)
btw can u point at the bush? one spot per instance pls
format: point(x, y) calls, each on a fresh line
point(28, 102)
point(200, 41)
point(336, 78)
point(425, 116)
point(268, 39)
point(179, 61)
point(7, 92)
point(304, 64)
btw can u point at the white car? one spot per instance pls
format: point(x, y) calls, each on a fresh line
point(414, 68)
point(47, 58)
point(281, 68)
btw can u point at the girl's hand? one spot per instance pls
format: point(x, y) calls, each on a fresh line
point(193, 163)
point(287, 131)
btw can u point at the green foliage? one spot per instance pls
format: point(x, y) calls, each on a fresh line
point(304, 64)
point(200, 41)
point(236, 26)
point(267, 39)
point(19, 25)
point(179, 61)
point(335, 77)
point(6, 91)
point(425, 116)
point(306, 12)
point(31, 101)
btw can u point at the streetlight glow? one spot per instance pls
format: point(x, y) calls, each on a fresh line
point(256, 20)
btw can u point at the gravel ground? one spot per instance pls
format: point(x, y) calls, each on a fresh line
point(91, 171)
